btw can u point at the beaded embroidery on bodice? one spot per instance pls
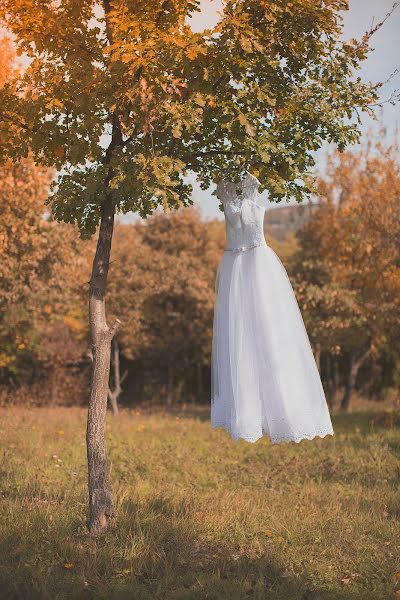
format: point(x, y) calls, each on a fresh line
point(244, 218)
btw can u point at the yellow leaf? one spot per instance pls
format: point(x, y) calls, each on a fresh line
point(246, 44)
point(199, 99)
point(248, 127)
point(68, 565)
point(177, 130)
point(268, 533)
point(194, 51)
point(191, 53)
point(54, 102)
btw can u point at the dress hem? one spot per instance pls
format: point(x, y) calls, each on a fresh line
point(274, 440)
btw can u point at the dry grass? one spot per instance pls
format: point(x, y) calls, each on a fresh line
point(200, 516)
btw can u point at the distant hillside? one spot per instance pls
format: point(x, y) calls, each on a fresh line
point(278, 222)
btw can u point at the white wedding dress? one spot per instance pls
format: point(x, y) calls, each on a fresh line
point(264, 377)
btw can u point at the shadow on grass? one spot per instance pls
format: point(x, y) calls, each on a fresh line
point(155, 551)
point(364, 421)
point(180, 562)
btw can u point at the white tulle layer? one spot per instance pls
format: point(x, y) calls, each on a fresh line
point(264, 377)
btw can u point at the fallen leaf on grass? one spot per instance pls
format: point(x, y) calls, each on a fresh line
point(268, 533)
point(286, 573)
point(349, 578)
point(68, 565)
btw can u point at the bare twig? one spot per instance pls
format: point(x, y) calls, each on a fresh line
point(374, 28)
point(393, 99)
point(114, 327)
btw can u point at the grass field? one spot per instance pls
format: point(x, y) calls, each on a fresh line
point(200, 516)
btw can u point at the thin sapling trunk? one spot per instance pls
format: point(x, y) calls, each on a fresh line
point(100, 496)
point(355, 364)
point(115, 392)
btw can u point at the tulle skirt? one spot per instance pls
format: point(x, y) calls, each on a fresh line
point(264, 377)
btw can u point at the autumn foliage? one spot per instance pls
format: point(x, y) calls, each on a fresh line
point(41, 274)
point(347, 265)
point(171, 101)
point(162, 280)
point(344, 267)
point(265, 88)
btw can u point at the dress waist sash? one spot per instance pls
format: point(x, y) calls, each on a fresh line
point(244, 248)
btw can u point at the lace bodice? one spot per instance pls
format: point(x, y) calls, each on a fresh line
point(244, 218)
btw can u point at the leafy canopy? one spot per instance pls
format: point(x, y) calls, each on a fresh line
point(125, 99)
point(346, 269)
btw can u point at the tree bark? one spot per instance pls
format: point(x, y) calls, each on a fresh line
point(354, 366)
point(100, 497)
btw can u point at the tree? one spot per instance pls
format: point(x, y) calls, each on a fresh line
point(162, 285)
point(42, 269)
point(178, 314)
point(126, 99)
point(115, 391)
point(347, 266)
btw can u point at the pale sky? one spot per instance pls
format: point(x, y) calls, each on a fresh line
point(381, 63)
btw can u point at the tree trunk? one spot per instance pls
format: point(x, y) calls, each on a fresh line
point(199, 383)
point(113, 400)
point(317, 355)
point(329, 382)
point(114, 394)
point(170, 386)
point(100, 496)
point(336, 378)
point(354, 366)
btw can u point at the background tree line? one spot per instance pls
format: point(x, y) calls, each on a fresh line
point(343, 263)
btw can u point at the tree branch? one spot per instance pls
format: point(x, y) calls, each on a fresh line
point(16, 122)
point(114, 328)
